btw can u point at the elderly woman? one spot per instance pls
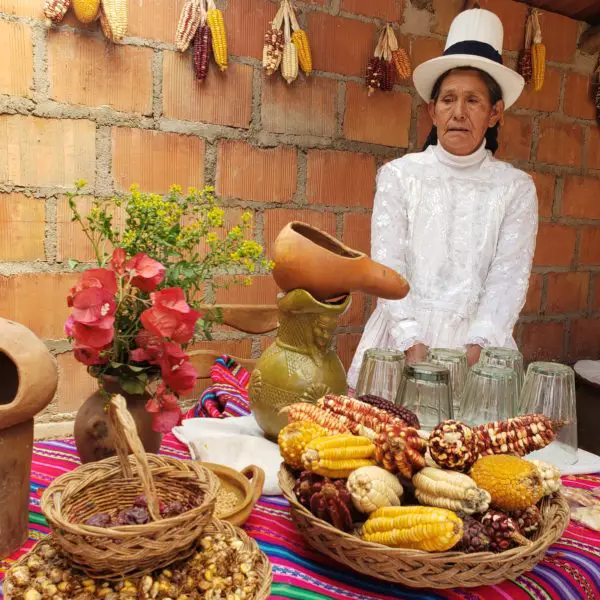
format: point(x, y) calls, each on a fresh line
point(459, 224)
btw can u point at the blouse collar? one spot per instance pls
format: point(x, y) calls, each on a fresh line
point(461, 162)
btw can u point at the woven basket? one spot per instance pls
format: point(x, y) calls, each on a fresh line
point(114, 483)
point(262, 565)
point(419, 569)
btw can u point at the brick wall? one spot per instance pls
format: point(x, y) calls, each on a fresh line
point(72, 106)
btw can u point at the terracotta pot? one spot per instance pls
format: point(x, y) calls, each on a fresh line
point(310, 259)
point(92, 436)
point(28, 379)
point(301, 365)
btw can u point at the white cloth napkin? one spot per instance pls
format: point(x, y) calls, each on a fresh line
point(235, 442)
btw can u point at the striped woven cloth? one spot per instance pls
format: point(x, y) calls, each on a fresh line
point(570, 571)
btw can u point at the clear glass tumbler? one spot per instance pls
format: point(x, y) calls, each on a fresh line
point(381, 373)
point(456, 363)
point(426, 391)
point(490, 395)
point(504, 357)
point(549, 389)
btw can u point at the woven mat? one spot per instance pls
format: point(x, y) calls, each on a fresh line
point(570, 571)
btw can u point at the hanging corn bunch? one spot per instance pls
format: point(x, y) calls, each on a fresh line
point(525, 67)
point(399, 56)
point(55, 10)
point(86, 11)
point(219, 36)
point(538, 54)
point(300, 40)
point(289, 62)
point(189, 21)
point(274, 41)
point(381, 68)
point(116, 14)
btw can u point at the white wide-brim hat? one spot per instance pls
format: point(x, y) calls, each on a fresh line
point(475, 40)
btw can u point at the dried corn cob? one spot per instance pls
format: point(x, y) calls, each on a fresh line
point(402, 63)
point(272, 50)
point(525, 61)
point(219, 36)
point(294, 438)
point(105, 26)
point(399, 449)
point(86, 11)
point(55, 10)
point(303, 411)
point(116, 13)
point(300, 40)
point(538, 54)
point(337, 456)
point(289, 63)
point(414, 528)
point(202, 44)
point(389, 76)
point(400, 412)
point(375, 74)
point(189, 21)
point(354, 413)
point(597, 95)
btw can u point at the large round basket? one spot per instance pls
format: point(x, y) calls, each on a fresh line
point(424, 569)
point(113, 484)
point(262, 566)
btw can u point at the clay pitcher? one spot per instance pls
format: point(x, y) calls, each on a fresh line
point(28, 380)
point(309, 259)
point(301, 365)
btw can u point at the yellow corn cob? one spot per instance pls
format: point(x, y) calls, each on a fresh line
point(337, 456)
point(293, 438)
point(538, 55)
point(289, 63)
point(55, 10)
point(300, 40)
point(86, 11)
point(219, 37)
point(414, 528)
point(116, 12)
point(402, 63)
point(189, 21)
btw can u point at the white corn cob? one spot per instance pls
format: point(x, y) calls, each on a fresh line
point(289, 62)
point(116, 12)
point(55, 10)
point(189, 21)
point(105, 26)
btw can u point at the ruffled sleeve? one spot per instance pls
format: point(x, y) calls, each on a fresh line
point(506, 284)
point(389, 242)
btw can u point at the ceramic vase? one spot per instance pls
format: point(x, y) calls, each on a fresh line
point(301, 365)
point(28, 380)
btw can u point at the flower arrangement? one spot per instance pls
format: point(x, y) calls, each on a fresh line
point(135, 312)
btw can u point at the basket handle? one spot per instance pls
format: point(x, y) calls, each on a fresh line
point(125, 438)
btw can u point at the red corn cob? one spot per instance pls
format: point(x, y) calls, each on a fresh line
point(202, 49)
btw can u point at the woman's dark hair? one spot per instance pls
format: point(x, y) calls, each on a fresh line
point(495, 92)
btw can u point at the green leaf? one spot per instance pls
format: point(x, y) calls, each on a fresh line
point(132, 386)
point(73, 264)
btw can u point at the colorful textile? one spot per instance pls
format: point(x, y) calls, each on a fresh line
point(570, 571)
point(227, 396)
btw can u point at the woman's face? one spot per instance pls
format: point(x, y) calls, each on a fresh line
point(463, 112)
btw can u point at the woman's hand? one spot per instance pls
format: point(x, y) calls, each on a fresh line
point(417, 353)
point(473, 354)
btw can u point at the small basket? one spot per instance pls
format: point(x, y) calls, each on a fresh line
point(439, 570)
point(215, 527)
point(114, 483)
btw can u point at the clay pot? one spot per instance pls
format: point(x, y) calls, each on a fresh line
point(92, 436)
point(301, 365)
point(310, 259)
point(28, 380)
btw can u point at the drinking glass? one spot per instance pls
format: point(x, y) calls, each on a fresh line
point(426, 391)
point(380, 373)
point(490, 395)
point(549, 389)
point(456, 363)
point(504, 357)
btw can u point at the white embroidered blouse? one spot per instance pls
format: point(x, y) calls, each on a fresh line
point(462, 230)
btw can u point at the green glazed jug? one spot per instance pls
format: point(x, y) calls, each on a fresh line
point(300, 365)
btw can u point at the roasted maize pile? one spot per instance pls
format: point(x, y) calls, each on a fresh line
point(414, 528)
point(219, 36)
point(338, 455)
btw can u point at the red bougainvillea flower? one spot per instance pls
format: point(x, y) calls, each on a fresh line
point(150, 348)
point(70, 327)
point(92, 305)
point(170, 316)
point(89, 356)
point(181, 378)
point(99, 335)
point(94, 278)
point(146, 273)
point(165, 410)
point(117, 262)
